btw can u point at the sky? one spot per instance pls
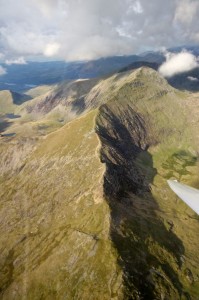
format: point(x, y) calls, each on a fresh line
point(89, 29)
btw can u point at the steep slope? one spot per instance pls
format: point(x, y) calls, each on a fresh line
point(57, 225)
point(51, 109)
point(86, 212)
point(65, 94)
point(145, 141)
point(66, 101)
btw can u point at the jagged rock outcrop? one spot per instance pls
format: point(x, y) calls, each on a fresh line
point(123, 134)
point(126, 137)
point(85, 210)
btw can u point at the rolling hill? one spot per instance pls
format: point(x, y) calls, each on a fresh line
point(86, 212)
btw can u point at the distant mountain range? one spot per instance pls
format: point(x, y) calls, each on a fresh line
point(22, 77)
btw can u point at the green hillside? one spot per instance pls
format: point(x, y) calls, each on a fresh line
point(86, 212)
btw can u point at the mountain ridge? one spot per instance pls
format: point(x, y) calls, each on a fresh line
point(86, 208)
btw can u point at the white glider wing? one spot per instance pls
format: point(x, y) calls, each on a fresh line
point(188, 194)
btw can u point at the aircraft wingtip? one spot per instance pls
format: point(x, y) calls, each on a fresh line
point(171, 180)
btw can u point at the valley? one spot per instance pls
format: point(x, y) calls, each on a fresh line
point(86, 212)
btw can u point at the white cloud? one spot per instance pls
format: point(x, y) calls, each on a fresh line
point(178, 63)
point(2, 71)
point(87, 29)
point(191, 78)
point(51, 49)
point(17, 61)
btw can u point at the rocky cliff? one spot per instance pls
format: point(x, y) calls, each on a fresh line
point(85, 210)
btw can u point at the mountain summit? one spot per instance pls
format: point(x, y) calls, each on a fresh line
point(86, 212)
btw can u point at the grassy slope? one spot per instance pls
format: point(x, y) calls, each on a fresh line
point(57, 222)
point(39, 90)
point(53, 205)
point(7, 104)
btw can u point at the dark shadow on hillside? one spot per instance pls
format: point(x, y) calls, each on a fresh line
point(4, 124)
point(12, 116)
point(18, 99)
point(8, 134)
point(145, 246)
point(79, 106)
